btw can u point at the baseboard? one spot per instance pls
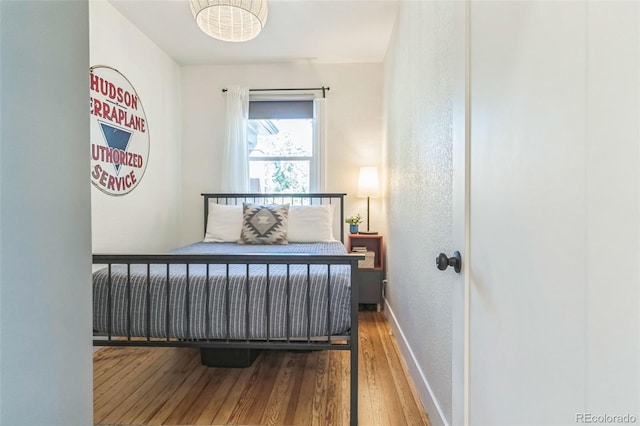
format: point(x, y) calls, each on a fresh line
point(425, 392)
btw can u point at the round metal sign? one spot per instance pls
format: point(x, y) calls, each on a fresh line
point(119, 132)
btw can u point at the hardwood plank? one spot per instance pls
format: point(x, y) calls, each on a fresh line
point(390, 409)
point(300, 406)
point(114, 360)
point(252, 403)
point(215, 394)
point(193, 403)
point(346, 388)
point(131, 403)
point(176, 392)
point(404, 387)
point(247, 379)
point(338, 406)
point(119, 387)
point(163, 388)
point(367, 400)
point(319, 398)
point(169, 386)
point(281, 394)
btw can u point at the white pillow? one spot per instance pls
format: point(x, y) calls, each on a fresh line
point(311, 224)
point(224, 223)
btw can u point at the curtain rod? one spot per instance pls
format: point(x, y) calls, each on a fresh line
point(324, 89)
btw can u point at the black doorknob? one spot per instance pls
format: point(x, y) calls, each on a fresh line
point(443, 262)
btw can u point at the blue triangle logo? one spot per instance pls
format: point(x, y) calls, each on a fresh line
point(116, 138)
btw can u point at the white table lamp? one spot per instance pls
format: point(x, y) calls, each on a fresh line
point(369, 187)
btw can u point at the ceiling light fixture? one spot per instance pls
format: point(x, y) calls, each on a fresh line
point(230, 20)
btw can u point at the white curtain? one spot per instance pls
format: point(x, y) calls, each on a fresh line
point(320, 139)
point(235, 165)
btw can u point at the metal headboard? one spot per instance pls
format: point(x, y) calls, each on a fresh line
point(293, 199)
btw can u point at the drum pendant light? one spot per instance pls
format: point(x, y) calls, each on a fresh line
point(230, 20)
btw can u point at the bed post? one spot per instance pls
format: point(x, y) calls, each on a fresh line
point(206, 211)
point(353, 417)
point(342, 218)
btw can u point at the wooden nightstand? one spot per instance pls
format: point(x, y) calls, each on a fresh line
point(370, 277)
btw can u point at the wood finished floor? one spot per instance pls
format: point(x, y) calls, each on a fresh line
point(168, 386)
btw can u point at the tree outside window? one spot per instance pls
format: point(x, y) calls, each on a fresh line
point(280, 155)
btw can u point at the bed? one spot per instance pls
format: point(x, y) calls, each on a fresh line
point(232, 300)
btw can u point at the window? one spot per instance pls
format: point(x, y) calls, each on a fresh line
point(282, 146)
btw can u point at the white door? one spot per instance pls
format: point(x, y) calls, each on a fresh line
point(554, 235)
point(460, 213)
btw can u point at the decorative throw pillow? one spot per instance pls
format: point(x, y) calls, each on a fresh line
point(264, 224)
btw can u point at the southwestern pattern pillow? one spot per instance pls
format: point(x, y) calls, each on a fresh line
point(264, 224)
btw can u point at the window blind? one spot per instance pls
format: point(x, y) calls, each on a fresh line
point(272, 110)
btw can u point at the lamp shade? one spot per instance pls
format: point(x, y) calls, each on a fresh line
point(368, 185)
point(230, 20)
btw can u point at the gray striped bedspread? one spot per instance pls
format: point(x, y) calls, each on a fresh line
point(255, 322)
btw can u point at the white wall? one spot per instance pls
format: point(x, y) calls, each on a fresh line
point(146, 219)
point(45, 323)
point(419, 78)
point(354, 129)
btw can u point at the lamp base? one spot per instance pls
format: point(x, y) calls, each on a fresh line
point(368, 232)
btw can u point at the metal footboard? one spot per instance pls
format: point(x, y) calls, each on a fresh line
point(147, 284)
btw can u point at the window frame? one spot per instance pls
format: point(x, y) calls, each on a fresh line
point(312, 160)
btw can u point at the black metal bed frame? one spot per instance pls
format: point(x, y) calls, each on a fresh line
point(348, 341)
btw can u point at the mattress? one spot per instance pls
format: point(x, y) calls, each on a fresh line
point(195, 316)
